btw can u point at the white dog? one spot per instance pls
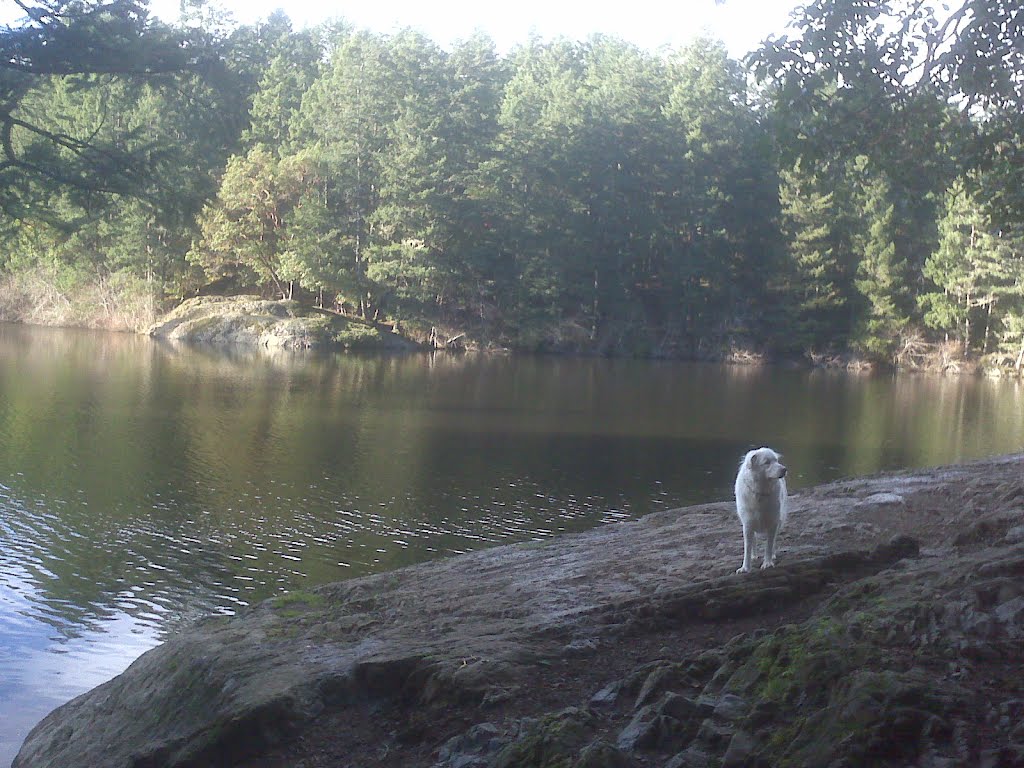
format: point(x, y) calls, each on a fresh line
point(761, 503)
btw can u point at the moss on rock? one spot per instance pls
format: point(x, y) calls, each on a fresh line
point(846, 685)
point(552, 742)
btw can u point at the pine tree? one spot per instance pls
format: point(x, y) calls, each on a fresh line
point(85, 44)
point(532, 191)
point(817, 286)
point(244, 228)
point(976, 268)
point(346, 115)
point(278, 98)
point(882, 277)
point(725, 194)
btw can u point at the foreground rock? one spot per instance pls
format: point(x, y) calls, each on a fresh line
point(255, 322)
point(890, 633)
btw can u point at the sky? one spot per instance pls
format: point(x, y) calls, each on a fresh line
point(650, 24)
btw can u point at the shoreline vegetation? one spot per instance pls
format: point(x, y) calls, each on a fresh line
point(253, 321)
point(841, 196)
point(890, 632)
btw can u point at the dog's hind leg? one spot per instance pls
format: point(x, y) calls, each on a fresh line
point(748, 547)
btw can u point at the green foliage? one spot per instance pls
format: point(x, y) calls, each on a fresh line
point(883, 273)
point(1011, 338)
point(278, 96)
point(585, 196)
point(817, 283)
point(243, 230)
point(59, 67)
point(978, 271)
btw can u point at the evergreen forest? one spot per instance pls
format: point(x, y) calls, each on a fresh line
point(850, 191)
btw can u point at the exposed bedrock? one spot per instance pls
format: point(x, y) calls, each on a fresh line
point(891, 632)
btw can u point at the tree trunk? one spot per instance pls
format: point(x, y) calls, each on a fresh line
point(967, 322)
point(988, 323)
point(277, 284)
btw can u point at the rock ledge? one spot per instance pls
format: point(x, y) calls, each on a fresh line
point(888, 634)
point(255, 322)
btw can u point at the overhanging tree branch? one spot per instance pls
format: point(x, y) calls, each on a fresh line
point(897, 58)
point(62, 38)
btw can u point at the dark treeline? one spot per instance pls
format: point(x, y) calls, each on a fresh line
point(823, 198)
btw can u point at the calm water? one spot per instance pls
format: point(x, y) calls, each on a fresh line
point(142, 485)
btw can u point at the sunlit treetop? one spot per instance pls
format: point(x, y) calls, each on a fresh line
point(867, 76)
point(973, 51)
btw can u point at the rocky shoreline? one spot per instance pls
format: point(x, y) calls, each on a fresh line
point(890, 633)
point(252, 321)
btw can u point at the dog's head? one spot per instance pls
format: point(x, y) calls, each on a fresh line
point(764, 464)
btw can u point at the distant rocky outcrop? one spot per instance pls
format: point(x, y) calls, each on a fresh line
point(255, 322)
point(891, 632)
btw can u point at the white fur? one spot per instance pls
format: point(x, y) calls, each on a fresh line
point(761, 503)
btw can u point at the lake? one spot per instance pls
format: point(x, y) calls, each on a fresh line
point(143, 485)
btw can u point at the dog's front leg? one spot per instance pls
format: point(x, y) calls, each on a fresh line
point(748, 547)
point(769, 548)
